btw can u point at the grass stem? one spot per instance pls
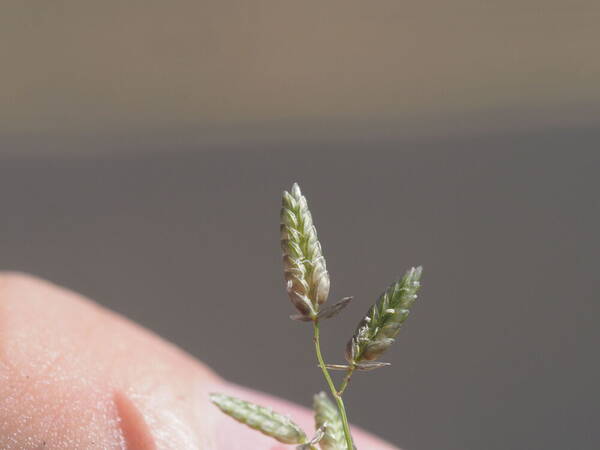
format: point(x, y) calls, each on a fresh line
point(346, 380)
point(334, 392)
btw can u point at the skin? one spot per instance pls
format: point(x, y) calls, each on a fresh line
point(74, 375)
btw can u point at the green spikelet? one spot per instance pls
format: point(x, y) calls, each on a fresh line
point(260, 418)
point(377, 330)
point(307, 280)
point(328, 417)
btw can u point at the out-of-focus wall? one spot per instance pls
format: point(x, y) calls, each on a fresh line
point(207, 70)
point(500, 352)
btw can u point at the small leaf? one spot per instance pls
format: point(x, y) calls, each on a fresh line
point(260, 418)
point(328, 417)
point(333, 310)
point(371, 365)
point(337, 366)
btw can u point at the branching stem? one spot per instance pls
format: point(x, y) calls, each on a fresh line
point(334, 391)
point(346, 380)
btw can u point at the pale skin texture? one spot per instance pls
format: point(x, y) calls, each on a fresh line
point(74, 375)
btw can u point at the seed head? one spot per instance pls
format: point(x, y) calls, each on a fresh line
point(377, 330)
point(260, 418)
point(328, 417)
point(305, 272)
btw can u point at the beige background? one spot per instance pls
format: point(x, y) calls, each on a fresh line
point(265, 69)
point(144, 146)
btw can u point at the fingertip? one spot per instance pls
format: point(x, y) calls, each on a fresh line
point(75, 375)
point(67, 364)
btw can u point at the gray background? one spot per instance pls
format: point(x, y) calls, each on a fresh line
point(501, 350)
point(144, 150)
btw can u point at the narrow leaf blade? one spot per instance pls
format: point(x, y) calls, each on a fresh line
point(333, 310)
point(371, 365)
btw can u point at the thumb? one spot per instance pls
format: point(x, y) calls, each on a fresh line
point(76, 376)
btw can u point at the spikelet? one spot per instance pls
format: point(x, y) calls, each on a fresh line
point(310, 445)
point(305, 272)
point(377, 330)
point(328, 417)
point(260, 418)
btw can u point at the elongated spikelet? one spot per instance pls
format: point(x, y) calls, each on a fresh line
point(260, 418)
point(377, 330)
point(305, 272)
point(328, 417)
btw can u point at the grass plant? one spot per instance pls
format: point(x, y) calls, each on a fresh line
point(307, 284)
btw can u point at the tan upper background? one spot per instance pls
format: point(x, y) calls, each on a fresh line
point(205, 69)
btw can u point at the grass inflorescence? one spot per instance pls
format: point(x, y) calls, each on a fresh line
point(260, 418)
point(307, 284)
point(328, 417)
point(379, 327)
point(304, 268)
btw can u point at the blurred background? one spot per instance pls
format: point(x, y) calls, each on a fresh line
point(144, 147)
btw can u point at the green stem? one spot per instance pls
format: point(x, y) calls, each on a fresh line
point(334, 392)
point(346, 380)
